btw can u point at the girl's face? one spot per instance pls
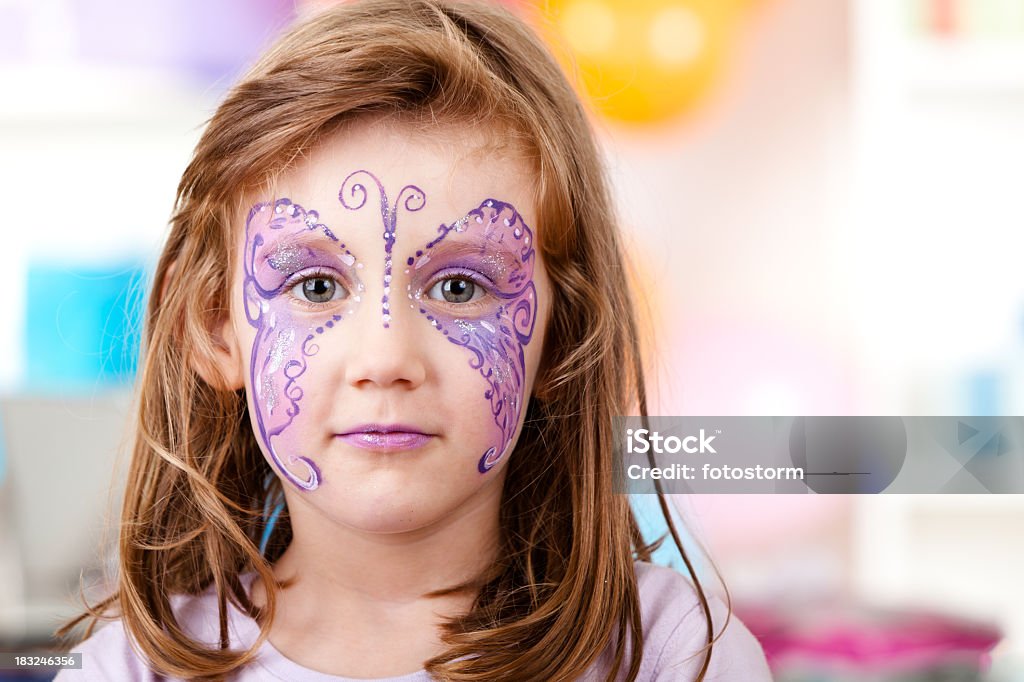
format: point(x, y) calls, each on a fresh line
point(388, 305)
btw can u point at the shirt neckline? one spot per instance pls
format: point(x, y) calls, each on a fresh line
point(276, 663)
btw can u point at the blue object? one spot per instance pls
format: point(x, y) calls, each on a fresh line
point(270, 517)
point(83, 325)
point(652, 526)
point(983, 389)
point(268, 529)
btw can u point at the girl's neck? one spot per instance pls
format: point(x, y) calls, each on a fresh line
point(343, 567)
point(367, 590)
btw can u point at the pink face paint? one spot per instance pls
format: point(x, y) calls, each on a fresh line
point(493, 248)
point(414, 201)
point(284, 246)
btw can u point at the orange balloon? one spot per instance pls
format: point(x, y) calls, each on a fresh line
point(644, 60)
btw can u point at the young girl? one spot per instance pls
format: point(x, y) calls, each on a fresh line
point(387, 337)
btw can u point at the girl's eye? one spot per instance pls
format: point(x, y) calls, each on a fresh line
point(456, 290)
point(318, 289)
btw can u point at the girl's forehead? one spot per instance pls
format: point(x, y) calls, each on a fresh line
point(367, 174)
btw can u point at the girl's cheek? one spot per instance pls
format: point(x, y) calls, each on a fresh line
point(285, 339)
point(492, 337)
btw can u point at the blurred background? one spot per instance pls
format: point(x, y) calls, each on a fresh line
point(822, 200)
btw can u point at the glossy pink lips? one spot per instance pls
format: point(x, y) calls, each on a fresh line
point(384, 438)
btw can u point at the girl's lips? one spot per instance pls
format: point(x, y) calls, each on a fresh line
point(382, 442)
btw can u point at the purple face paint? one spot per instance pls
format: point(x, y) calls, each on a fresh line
point(285, 245)
point(492, 248)
point(414, 201)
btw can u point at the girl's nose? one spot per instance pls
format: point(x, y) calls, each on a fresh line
point(385, 357)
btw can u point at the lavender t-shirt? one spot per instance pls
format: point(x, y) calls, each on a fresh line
point(674, 630)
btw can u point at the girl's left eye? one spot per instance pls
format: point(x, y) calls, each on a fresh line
point(456, 290)
point(318, 289)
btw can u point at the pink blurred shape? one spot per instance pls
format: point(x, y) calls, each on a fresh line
point(743, 366)
point(863, 640)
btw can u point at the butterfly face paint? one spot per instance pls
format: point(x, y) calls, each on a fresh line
point(490, 250)
point(300, 282)
point(352, 196)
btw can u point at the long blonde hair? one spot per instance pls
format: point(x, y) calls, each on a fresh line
point(564, 586)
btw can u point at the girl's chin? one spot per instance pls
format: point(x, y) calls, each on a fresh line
point(396, 504)
point(406, 518)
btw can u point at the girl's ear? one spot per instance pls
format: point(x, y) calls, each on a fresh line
point(217, 358)
point(222, 366)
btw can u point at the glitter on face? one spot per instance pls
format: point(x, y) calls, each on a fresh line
point(497, 336)
point(279, 360)
point(286, 258)
point(282, 347)
point(414, 200)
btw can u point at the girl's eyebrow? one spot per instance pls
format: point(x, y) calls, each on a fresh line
point(311, 238)
point(290, 252)
point(465, 245)
point(491, 258)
